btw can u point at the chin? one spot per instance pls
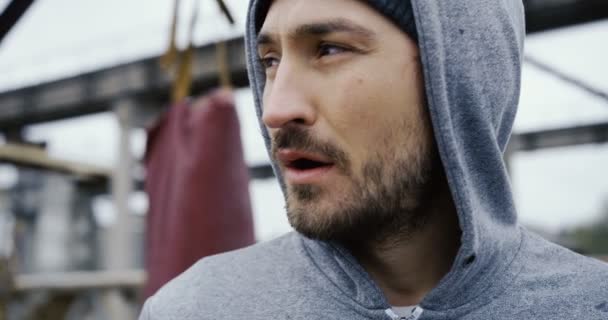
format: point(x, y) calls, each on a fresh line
point(317, 219)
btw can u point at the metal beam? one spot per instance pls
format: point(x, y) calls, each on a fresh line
point(563, 137)
point(11, 15)
point(520, 142)
point(145, 83)
point(543, 15)
point(526, 141)
point(260, 172)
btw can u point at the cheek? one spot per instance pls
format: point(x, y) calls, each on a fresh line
point(357, 118)
point(376, 112)
point(370, 106)
point(355, 102)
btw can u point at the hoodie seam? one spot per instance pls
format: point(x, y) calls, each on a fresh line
point(457, 193)
point(314, 262)
point(434, 116)
point(500, 289)
point(361, 270)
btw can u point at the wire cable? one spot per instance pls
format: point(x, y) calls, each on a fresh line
point(567, 78)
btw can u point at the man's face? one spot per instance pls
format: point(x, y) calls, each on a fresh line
point(344, 104)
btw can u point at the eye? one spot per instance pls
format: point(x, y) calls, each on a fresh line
point(328, 49)
point(269, 61)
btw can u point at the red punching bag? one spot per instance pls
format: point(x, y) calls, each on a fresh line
point(197, 183)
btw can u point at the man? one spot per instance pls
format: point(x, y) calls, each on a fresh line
point(386, 121)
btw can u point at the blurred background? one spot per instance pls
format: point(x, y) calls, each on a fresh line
point(86, 106)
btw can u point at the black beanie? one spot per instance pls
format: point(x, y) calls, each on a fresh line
point(399, 12)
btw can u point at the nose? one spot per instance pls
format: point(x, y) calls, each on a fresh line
point(288, 98)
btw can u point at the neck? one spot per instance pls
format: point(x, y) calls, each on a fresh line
point(407, 267)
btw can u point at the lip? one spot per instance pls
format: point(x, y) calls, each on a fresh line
point(297, 176)
point(309, 176)
point(286, 156)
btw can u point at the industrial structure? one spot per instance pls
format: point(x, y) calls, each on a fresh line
point(137, 92)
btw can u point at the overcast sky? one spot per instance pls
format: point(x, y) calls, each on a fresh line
point(58, 38)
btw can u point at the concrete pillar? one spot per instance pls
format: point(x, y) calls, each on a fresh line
point(118, 246)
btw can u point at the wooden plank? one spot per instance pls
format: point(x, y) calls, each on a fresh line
point(32, 157)
point(80, 280)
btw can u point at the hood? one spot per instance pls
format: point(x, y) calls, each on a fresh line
point(471, 54)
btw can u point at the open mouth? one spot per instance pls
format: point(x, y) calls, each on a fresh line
point(303, 164)
point(304, 167)
point(302, 161)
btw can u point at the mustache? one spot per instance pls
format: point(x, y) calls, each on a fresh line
point(296, 137)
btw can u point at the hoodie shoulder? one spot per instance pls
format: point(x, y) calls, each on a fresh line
point(223, 282)
point(556, 283)
point(559, 268)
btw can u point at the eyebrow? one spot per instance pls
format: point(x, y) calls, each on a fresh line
point(320, 29)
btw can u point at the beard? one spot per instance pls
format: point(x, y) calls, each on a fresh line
point(387, 200)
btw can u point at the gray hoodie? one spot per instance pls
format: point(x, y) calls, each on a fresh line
point(471, 54)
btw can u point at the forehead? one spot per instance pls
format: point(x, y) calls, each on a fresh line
point(286, 14)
